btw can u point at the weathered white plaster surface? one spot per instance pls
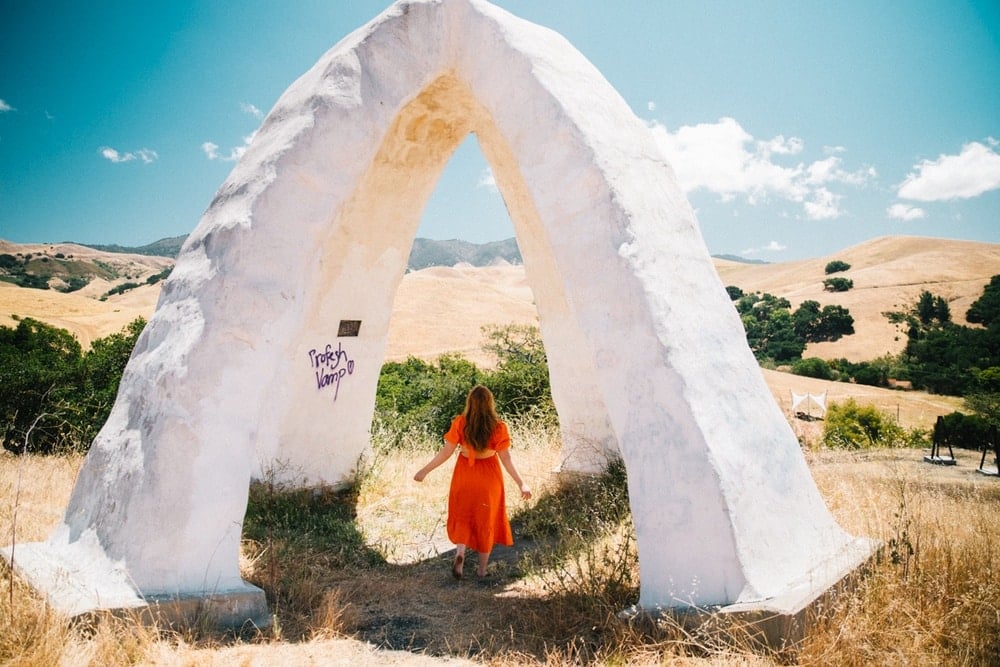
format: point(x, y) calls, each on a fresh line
point(314, 226)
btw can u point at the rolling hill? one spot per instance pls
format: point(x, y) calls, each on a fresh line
point(889, 273)
point(442, 309)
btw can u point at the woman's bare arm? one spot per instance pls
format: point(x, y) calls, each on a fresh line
point(508, 464)
point(443, 455)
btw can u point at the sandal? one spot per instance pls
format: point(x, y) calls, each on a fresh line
point(456, 566)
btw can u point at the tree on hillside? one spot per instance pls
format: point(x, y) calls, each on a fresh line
point(932, 308)
point(837, 284)
point(836, 266)
point(942, 356)
point(521, 379)
point(768, 323)
point(984, 399)
point(775, 332)
point(52, 395)
point(817, 325)
point(39, 372)
point(986, 309)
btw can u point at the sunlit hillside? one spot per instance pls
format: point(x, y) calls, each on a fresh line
point(442, 309)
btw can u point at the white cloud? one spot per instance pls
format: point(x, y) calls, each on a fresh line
point(5, 107)
point(651, 105)
point(146, 155)
point(969, 174)
point(725, 159)
point(824, 205)
point(251, 109)
point(773, 246)
point(904, 212)
point(211, 150)
point(487, 180)
point(780, 146)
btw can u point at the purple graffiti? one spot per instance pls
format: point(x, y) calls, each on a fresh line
point(331, 365)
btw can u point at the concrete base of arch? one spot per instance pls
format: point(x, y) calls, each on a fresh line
point(83, 583)
point(779, 622)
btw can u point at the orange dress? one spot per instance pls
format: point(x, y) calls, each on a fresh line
point(477, 507)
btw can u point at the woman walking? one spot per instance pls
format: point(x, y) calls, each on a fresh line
point(477, 511)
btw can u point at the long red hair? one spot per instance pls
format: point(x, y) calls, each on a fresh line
point(481, 417)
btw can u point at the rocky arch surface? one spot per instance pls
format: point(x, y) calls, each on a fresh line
point(265, 348)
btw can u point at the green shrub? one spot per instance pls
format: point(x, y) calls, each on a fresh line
point(836, 266)
point(813, 367)
point(520, 382)
point(54, 397)
point(74, 283)
point(874, 373)
point(157, 277)
point(852, 426)
point(39, 377)
point(838, 284)
point(962, 430)
point(421, 397)
point(121, 289)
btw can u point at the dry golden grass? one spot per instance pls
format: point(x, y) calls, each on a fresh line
point(388, 598)
point(935, 597)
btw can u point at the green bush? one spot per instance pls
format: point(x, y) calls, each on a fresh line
point(74, 283)
point(986, 309)
point(421, 397)
point(874, 373)
point(121, 289)
point(54, 397)
point(816, 325)
point(39, 377)
point(836, 266)
point(157, 277)
point(418, 395)
point(813, 367)
point(838, 284)
point(520, 382)
point(852, 426)
point(962, 430)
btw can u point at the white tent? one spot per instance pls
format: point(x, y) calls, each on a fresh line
point(809, 399)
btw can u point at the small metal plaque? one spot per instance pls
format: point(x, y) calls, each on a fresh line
point(348, 328)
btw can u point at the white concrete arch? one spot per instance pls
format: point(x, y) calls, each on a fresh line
point(243, 363)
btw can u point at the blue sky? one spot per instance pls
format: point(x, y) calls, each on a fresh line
point(796, 128)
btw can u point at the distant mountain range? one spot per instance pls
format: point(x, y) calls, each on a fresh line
point(169, 247)
point(425, 252)
point(742, 260)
